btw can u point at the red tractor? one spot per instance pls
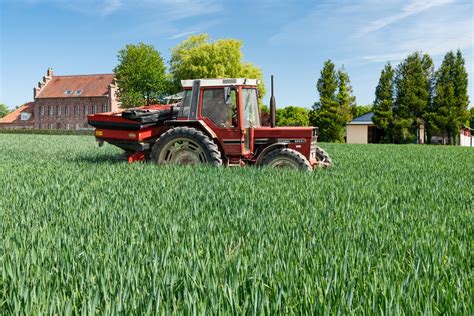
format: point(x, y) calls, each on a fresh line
point(217, 122)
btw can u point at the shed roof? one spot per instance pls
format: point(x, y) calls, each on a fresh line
point(365, 119)
point(79, 85)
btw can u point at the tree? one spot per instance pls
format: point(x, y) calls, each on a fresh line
point(140, 75)
point(333, 110)
point(292, 116)
point(359, 110)
point(471, 118)
point(413, 85)
point(383, 104)
point(4, 110)
point(197, 57)
point(449, 108)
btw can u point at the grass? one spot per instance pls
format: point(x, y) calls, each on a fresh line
point(387, 229)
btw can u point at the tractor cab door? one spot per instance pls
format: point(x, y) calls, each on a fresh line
point(250, 117)
point(219, 110)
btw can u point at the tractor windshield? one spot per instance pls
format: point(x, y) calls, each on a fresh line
point(250, 108)
point(186, 103)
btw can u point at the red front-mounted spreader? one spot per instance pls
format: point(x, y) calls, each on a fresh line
point(217, 122)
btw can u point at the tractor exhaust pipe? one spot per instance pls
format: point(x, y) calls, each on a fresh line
point(272, 107)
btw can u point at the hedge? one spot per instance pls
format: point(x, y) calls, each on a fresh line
point(47, 131)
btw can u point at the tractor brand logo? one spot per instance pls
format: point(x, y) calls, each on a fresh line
point(132, 135)
point(99, 133)
point(292, 141)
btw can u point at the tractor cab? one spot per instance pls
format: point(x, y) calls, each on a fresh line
point(227, 107)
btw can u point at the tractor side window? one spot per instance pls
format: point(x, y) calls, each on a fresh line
point(214, 107)
point(186, 103)
point(250, 108)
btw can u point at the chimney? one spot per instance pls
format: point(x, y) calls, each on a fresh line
point(50, 72)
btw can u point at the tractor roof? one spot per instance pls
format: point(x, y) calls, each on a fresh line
point(221, 82)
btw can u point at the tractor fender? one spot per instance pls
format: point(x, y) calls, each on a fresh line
point(202, 126)
point(268, 149)
point(200, 123)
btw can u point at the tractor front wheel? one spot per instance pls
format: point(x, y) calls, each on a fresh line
point(286, 158)
point(323, 157)
point(185, 146)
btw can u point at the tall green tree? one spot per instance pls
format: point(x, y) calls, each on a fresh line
point(4, 110)
point(334, 108)
point(383, 104)
point(198, 57)
point(471, 118)
point(292, 116)
point(449, 108)
point(140, 75)
point(413, 85)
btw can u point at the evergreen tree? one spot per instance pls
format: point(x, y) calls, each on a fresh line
point(333, 110)
point(449, 108)
point(413, 85)
point(383, 104)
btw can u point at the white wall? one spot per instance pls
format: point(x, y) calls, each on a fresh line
point(357, 134)
point(467, 141)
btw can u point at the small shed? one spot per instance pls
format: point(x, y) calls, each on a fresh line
point(361, 130)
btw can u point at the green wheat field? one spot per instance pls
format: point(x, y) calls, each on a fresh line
point(389, 229)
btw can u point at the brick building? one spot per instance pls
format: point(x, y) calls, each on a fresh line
point(21, 118)
point(63, 102)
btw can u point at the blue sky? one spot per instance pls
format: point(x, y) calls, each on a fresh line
point(290, 39)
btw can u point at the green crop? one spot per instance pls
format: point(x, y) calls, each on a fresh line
point(388, 229)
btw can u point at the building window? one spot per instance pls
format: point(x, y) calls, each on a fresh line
point(51, 126)
point(78, 92)
point(68, 92)
point(76, 110)
point(25, 116)
point(86, 125)
point(58, 110)
point(67, 126)
point(58, 125)
point(104, 108)
point(66, 110)
point(94, 109)
point(42, 126)
point(86, 110)
point(77, 125)
point(51, 110)
point(42, 110)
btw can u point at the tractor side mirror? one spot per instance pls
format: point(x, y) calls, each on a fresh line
point(227, 96)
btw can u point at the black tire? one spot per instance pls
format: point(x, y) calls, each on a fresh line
point(323, 156)
point(185, 145)
point(286, 158)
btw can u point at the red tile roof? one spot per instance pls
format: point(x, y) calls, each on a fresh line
point(89, 85)
point(15, 115)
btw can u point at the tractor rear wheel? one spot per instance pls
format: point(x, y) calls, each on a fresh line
point(286, 158)
point(323, 156)
point(185, 146)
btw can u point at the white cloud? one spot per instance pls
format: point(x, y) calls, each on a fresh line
point(181, 35)
point(415, 7)
point(111, 6)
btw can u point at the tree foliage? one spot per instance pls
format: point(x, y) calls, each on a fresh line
point(198, 57)
point(383, 104)
point(413, 85)
point(449, 108)
point(4, 110)
point(359, 110)
point(292, 116)
point(140, 75)
point(335, 105)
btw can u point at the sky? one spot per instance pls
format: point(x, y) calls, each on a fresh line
point(289, 39)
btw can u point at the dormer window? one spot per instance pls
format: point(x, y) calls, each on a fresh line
point(78, 92)
point(68, 92)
